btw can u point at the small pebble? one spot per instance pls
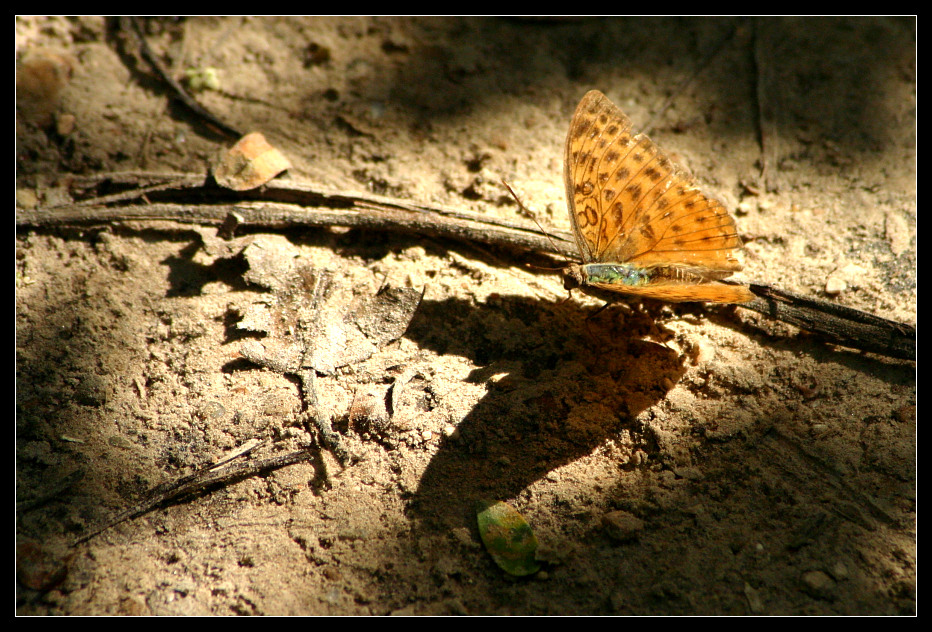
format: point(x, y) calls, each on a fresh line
point(835, 286)
point(621, 525)
point(818, 584)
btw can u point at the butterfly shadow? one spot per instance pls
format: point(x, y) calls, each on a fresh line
point(557, 387)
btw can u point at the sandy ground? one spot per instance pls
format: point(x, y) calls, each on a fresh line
point(693, 460)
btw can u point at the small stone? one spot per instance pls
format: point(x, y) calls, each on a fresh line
point(839, 571)
point(622, 526)
point(26, 198)
point(92, 390)
point(211, 410)
point(64, 124)
point(835, 286)
point(905, 414)
point(818, 585)
point(41, 78)
point(637, 458)
point(819, 429)
point(755, 605)
point(705, 351)
point(120, 442)
point(896, 229)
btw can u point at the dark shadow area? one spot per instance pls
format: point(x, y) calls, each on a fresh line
point(694, 550)
point(829, 87)
point(64, 379)
point(557, 387)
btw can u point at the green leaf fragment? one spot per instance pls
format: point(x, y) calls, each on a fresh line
point(202, 79)
point(508, 538)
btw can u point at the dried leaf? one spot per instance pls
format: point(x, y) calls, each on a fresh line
point(314, 322)
point(249, 164)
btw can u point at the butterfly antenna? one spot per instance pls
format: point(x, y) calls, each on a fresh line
point(533, 217)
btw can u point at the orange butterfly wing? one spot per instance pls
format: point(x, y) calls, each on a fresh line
point(629, 203)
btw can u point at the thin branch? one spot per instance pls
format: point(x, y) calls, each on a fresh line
point(283, 204)
point(198, 482)
point(839, 324)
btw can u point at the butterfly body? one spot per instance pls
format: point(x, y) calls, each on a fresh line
point(613, 274)
point(642, 225)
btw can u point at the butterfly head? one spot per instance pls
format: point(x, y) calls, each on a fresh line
point(574, 276)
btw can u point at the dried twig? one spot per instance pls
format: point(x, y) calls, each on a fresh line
point(199, 482)
point(308, 377)
point(283, 204)
point(839, 324)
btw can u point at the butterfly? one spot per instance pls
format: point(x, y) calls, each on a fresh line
point(642, 225)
